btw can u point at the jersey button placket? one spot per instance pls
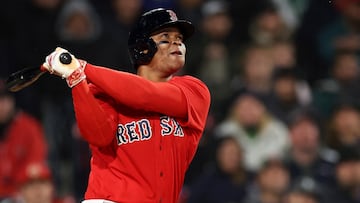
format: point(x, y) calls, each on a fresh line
point(161, 174)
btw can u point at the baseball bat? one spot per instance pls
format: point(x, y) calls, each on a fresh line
point(27, 76)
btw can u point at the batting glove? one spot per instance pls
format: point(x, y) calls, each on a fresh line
point(61, 63)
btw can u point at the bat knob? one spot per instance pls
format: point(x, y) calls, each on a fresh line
point(65, 58)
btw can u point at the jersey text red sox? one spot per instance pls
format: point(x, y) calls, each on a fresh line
point(141, 130)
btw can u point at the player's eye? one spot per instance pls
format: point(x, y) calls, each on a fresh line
point(164, 38)
point(165, 35)
point(180, 38)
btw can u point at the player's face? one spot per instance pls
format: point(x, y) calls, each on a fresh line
point(170, 56)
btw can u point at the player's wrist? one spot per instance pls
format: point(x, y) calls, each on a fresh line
point(77, 75)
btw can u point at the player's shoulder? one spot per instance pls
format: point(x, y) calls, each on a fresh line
point(192, 84)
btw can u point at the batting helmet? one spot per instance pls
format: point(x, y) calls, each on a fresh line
point(141, 47)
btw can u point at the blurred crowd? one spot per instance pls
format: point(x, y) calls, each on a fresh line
point(284, 123)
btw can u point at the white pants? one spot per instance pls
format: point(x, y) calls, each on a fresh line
point(97, 201)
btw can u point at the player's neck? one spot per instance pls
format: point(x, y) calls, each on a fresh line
point(154, 76)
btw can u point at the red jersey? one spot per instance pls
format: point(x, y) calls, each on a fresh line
point(143, 136)
point(23, 143)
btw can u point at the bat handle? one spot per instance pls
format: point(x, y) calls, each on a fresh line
point(65, 58)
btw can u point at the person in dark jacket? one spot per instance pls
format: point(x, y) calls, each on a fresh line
point(227, 180)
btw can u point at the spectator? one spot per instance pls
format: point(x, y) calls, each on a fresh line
point(269, 26)
point(288, 96)
point(22, 141)
point(341, 86)
point(347, 189)
point(227, 181)
point(344, 128)
point(284, 54)
point(255, 70)
point(272, 181)
point(243, 14)
point(261, 135)
point(78, 22)
point(35, 184)
point(307, 157)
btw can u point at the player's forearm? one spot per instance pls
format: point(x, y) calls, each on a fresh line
point(94, 123)
point(139, 93)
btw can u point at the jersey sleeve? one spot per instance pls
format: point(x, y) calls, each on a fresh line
point(95, 115)
point(165, 98)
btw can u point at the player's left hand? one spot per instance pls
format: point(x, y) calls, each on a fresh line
point(73, 72)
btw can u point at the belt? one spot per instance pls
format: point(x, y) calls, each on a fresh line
point(97, 201)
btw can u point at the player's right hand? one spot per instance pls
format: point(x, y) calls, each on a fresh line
point(73, 72)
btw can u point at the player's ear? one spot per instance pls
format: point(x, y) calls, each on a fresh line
point(143, 50)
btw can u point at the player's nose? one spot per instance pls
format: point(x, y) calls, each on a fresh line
point(176, 42)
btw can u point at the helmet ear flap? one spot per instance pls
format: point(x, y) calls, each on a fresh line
point(143, 51)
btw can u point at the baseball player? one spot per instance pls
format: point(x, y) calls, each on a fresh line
point(143, 129)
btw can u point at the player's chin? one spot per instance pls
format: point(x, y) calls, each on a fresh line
point(177, 61)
